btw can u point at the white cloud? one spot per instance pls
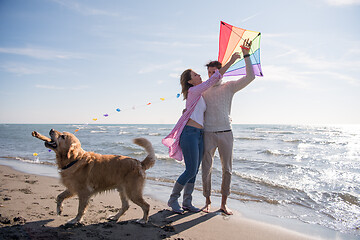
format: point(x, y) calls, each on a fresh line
point(85, 10)
point(174, 75)
point(286, 75)
point(338, 67)
point(171, 44)
point(82, 87)
point(304, 79)
point(342, 67)
point(257, 90)
point(39, 53)
point(279, 35)
point(160, 82)
point(49, 87)
point(156, 67)
point(250, 17)
point(342, 2)
point(20, 70)
point(349, 79)
point(52, 87)
point(28, 69)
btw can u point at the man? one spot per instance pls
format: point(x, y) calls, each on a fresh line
point(217, 128)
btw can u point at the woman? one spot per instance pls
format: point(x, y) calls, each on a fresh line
point(186, 139)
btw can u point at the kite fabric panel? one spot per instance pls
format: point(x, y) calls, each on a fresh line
point(230, 41)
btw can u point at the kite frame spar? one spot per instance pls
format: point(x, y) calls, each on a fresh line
point(231, 40)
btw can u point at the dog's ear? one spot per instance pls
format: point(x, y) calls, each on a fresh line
point(73, 152)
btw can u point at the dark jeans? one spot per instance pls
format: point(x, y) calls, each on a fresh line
point(192, 146)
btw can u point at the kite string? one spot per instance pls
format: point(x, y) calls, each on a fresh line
point(106, 116)
point(134, 107)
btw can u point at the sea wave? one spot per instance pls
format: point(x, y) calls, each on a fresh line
point(164, 157)
point(138, 153)
point(154, 134)
point(124, 133)
point(34, 161)
point(165, 129)
point(315, 141)
point(132, 148)
point(246, 197)
point(276, 153)
point(293, 140)
point(98, 131)
point(276, 132)
point(345, 197)
point(264, 182)
point(249, 138)
point(262, 163)
point(159, 179)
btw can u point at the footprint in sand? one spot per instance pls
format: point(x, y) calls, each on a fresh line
point(31, 181)
point(25, 190)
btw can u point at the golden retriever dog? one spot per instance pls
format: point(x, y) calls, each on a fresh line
point(87, 173)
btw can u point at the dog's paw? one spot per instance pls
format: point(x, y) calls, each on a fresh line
point(112, 218)
point(72, 224)
point(141, 221)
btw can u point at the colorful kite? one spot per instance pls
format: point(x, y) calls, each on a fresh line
point(230, 41)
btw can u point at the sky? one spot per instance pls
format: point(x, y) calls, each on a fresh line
point(72, 61)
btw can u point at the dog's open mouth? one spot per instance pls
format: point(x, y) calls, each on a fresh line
point(51, 144)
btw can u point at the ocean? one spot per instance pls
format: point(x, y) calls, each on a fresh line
point(304, 173)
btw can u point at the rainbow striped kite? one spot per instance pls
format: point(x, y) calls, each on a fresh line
point(230, 41)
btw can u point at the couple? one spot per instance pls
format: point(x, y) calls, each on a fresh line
point(197, 134)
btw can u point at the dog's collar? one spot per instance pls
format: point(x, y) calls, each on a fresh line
point(69, 165)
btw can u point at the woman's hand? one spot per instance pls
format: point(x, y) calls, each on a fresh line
point(234, 57)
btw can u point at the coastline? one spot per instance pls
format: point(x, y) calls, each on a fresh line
point(28, 210)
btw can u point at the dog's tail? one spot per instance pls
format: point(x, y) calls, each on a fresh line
point(149, 161)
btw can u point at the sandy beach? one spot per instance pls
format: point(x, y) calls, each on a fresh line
point(28, 211)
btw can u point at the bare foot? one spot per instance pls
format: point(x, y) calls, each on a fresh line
point(226, 210)
point(206, 208)
point(207, 205)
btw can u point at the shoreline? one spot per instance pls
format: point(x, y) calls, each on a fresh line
point(159, 192)
point(28, 209)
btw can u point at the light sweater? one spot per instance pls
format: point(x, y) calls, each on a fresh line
point(218, 100)
point(172, 141)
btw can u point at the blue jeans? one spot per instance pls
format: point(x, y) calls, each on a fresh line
point(192, 146)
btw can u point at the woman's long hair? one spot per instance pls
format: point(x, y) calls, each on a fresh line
point(185, 85)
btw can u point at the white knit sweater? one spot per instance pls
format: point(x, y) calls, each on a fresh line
point(218, 100)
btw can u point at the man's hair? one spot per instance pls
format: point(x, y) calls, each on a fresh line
point(216, 64)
